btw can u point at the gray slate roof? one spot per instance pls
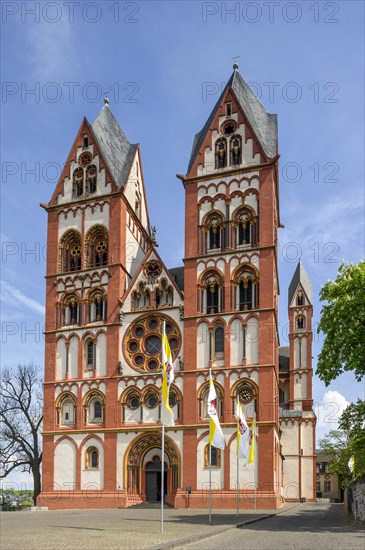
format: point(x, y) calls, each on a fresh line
point(284, 355)
point(264, 125)
point(300, 277)
point(177, 273)
point(114, 145)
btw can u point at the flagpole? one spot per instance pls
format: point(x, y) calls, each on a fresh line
point(238, 457)
point(166, 419)
point(162, 473)
point(163, 444)
point(210, 465)
point(210, 483)
point(254, 460)
point(237, 483)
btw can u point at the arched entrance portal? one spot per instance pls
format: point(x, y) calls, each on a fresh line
point(154, 478)
point(143, 467)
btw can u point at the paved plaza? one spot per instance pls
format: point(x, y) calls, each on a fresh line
point(134, 528)
point(309, 527)
point(139, 528)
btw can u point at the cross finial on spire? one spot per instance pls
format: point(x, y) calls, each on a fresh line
point(235, 63)
point(106, 98)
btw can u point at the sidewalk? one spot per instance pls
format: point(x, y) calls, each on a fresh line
point(115, 529)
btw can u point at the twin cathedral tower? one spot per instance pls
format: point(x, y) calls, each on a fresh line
point(108, 292)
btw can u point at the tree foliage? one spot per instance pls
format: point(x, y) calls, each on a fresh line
point(352, 421)
point(335, 445)
point(348, 442)
point(21, 422)
point(343, 323)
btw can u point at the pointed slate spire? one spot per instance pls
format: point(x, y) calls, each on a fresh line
point(300, 277)
point(264, 124)
point(114, 145)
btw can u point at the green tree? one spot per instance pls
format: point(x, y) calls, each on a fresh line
point(335, 445)
point(352, 422)
point(343, 323)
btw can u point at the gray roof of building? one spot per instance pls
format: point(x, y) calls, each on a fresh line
point(284, 355)
point(114, 145)
point(322, 456)
point(177, 273)
point(264, 124)
point(300, 277)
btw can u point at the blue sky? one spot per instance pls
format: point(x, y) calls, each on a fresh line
point(163, 65)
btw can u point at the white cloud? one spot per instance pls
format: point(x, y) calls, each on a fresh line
point(15, 297)
point(328, 411)
point(51, 49)
point(325, 234)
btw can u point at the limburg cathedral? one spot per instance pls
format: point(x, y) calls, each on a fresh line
point(109, 291)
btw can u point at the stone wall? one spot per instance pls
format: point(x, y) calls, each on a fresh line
point(355, 499)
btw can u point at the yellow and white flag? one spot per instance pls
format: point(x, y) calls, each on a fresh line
point(216, 437)
point(251, 456)
point(243, 434)
point(167, 416)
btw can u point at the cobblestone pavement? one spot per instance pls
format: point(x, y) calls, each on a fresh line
point(114, 529)
point(309, 527)
point(140, 528)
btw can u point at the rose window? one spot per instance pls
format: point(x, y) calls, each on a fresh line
point(228, 127)
point(153, 269)
point(142, 342)
point(85, 158)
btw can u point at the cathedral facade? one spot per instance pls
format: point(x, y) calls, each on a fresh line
point(108, 292)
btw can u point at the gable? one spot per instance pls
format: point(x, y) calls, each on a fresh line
point(64, 191)
point(248, 114)
point(306, 301)
point(151, 277)
point(112, 155)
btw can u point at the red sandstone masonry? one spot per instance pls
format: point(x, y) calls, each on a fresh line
point(267, 406)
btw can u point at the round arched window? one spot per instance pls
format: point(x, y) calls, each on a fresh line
point(172, 399)
point(151, 400)
point(133, 401)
